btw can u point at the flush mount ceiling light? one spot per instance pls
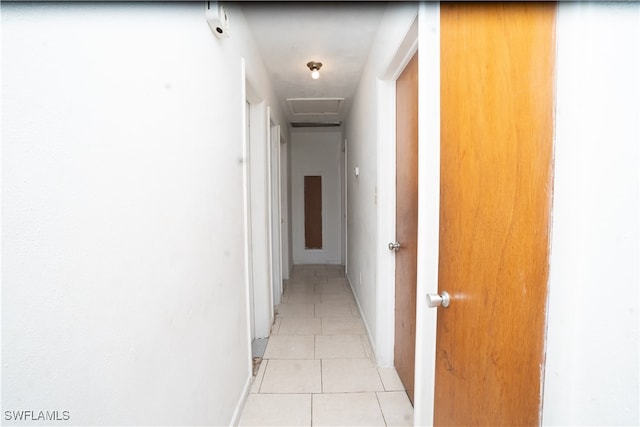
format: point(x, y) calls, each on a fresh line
point(315, 69)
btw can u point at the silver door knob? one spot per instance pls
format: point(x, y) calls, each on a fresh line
point(394, 246)
point(435, 300)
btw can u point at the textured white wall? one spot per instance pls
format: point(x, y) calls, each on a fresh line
point(591, 373)
point(123, 299)
point(317, 152)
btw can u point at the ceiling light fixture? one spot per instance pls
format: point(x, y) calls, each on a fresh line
point(315, 69)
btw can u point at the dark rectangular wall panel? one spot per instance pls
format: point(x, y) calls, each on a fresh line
point(313, 212)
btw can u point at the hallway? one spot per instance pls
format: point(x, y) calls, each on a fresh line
point(318, 367)
point(153, 203)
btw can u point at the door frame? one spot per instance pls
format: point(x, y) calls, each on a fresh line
point(285, 247)
point(423, 34)
point(257, 271)
point(248, 236)
point(275, 215)
point(386, 221)
point(428, 208)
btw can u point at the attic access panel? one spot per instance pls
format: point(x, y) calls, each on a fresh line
point(309, 106)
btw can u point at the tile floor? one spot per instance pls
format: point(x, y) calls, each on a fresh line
point(318, 367)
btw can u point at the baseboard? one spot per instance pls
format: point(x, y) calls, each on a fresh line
point(237, 413)
point(364, 321)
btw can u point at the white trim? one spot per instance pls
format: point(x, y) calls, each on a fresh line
point(270, 236)
point(261, 272)
point(345, 210)
point(405, 52)
point(276, 215)
point(237, 412)
point(386, 223)
point(246, 177)
point(366, 324)
point(428, 207)
point(285, 260)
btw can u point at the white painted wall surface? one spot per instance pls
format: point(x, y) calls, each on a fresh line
point(317, 152)
point(591, 373)
point(123, 294)
point(367, 242)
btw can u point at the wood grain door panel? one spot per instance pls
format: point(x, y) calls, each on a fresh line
point(406, 222)
point(497, 104)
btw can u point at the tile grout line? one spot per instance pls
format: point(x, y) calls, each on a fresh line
point(381, 411)
point(321, 381)
point(384, 387)
point(364, 352)
point(266, 362)
point(315, 347)
point(311, 416)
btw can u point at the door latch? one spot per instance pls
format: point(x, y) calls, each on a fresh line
point(435, 300)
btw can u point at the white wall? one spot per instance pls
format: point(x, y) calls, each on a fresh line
point(367, 210)
point(591, 373)
point(123, 298)
point(317, 151)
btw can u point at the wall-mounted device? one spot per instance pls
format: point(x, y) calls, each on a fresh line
point(217, 18)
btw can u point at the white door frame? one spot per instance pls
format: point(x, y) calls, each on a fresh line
point(275, 215)
point(259, 289)
point(284, 210)
point(386, 221)
point(343, 201)
point(428, 207)
point(425, 35)
point(248, 238)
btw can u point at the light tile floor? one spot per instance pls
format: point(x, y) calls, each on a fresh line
point(318, 368)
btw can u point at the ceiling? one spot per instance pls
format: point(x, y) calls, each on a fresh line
point(290, 34)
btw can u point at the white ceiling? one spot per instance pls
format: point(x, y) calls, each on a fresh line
point(289, 35)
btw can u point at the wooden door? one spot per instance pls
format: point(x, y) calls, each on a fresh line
point(406, 222)
point(497, 104)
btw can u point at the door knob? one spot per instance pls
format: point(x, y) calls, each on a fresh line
point(394, 246)
point(435, 300)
